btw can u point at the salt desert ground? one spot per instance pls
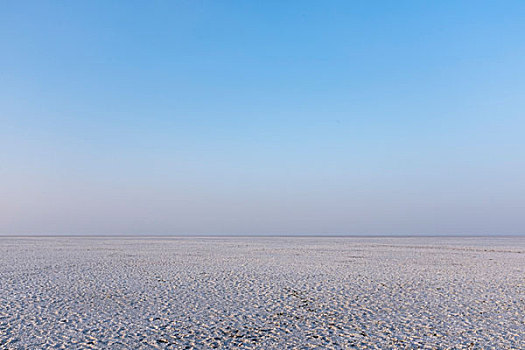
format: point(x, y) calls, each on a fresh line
point(262, 292)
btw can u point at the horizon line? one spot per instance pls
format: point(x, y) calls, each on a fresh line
point(259, 235)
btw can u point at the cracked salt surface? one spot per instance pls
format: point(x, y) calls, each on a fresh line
point(266, 293)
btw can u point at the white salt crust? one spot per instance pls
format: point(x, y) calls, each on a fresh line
point(264, 293)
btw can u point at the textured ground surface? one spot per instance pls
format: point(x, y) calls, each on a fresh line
point(268, 293)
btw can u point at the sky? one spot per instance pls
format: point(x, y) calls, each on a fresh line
point(262, 117)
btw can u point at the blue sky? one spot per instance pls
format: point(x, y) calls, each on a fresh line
point(238, 117)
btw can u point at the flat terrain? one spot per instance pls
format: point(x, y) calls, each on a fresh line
point(267, 293)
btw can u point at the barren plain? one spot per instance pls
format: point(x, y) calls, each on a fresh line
point(262, 292)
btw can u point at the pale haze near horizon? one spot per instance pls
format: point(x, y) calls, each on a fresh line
point(262, 118)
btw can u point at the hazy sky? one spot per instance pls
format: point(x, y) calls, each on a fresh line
point(262, 117)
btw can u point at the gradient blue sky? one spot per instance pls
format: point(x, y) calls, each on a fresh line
point(262, 117)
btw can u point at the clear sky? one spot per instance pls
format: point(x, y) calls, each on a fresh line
point(262, 117)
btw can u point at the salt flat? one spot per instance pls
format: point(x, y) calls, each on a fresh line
point(267, 293)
